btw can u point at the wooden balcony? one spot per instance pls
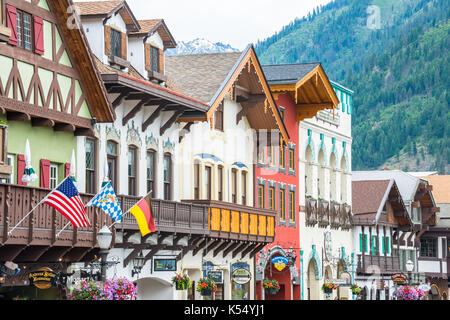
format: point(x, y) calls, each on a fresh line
point(324, 213)
point(237, 222)
point(311, 211)
point(386, 264)
point(169, 216)
point(35, 239)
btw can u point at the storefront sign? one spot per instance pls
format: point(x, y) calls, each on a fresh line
point(43, 278)
point(9, 268)
point(165, 265)
point(280, 262)
point(240, 272)
point(399, 277)
point(216, 276)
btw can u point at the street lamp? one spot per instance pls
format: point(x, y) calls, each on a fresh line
point(138, 263)
point(409, 267)
point(104, 237)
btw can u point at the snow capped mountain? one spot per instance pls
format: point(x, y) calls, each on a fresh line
point(200, 46)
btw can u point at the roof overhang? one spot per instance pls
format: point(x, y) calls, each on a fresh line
point(310, 94)
point(163, 31)
point(98, 103)
point(248, 74)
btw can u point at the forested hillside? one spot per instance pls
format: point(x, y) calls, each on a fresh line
point(398, 67)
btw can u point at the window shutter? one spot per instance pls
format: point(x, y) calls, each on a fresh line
point(161, 61)
point(66, 169)
point(11, 22)
point(383, 247)
point(107, 40)
point(147, 56)
point(45, 173)
point(387, 245)
point(123, 37)
point(38, 35)
point(360, 243)
point(20, 169)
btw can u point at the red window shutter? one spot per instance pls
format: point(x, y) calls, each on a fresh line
point(66, 169)
point(45, 173)
point(124, 46)
point(161, 61)
point(11, 22)
point(20, 169)
point(147, 56)
point(38, 35)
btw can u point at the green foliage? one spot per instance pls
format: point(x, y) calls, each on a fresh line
point(400, 73)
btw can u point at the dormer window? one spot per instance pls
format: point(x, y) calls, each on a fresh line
point(154, 63)
point(116, 41)
point(154, 58)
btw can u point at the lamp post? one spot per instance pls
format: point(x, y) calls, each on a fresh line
point(138, 263)
point(409, 267)
point(104, 237)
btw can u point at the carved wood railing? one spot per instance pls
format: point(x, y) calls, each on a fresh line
point(324, 213)
point(311, 211)
point(386, 264)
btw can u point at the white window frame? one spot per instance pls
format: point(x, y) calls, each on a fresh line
point(53, 180)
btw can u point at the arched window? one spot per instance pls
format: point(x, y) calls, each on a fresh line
point(308, 171)
point(167, 176)
point(151, 172)
point(333, 177)
point(112, 159)
point(343, 180)
point(132, 170)
point(321, 177)
point(91, 161)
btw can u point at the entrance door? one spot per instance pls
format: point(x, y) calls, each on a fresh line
point(313, 284)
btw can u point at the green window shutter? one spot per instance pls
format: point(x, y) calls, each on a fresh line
point(360, 243)
point(387, 245)
point(365, 243)
point(383, 238)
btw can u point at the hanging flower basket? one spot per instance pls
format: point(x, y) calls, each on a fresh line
point(119, 289)
point(410, 293)
point(271, 286)
point(206, 286)
point(356, 289)
point(181, 281)
point(328, 288)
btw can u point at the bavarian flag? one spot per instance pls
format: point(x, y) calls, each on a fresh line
point(142, 212)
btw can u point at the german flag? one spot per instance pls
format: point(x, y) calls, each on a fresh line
point(142, 212)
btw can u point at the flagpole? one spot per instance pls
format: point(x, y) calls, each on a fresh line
point(132, 207)
point(23, 219)
point(62, 229)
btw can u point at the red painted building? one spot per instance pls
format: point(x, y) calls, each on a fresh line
point(276, 187)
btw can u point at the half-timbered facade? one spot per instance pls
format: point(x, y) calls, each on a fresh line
point(217, 164)
point(50, 94)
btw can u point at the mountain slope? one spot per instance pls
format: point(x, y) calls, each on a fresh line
point(198, 46)
point(398, 67)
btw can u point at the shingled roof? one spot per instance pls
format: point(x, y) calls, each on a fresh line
point(288, 73)
point(367, 196)
point(97, 7)
point(200, 75)
point(148, 27)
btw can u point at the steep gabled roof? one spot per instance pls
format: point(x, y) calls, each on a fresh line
point(99, 105)
point(210, 77)
point(288, 73)
point(148, 27)
point(441, 187)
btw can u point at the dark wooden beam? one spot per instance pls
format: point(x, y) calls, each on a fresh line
point(153, 101)
point(133, 112)
point(185, 130)
point(67, 127)
point(175, 107)
point(42, 122)
point(230, 248)
point(120, 98)
point(133, 254)
point(257, 249)
point(84, 132)
point(245, 108)
point(153, 116)
point(18, 116)
point(154, 250)
point(239, 249)
point(199, 247)
point(212, 246)
point(250, 248)
point(137, 96)
point(170, 122)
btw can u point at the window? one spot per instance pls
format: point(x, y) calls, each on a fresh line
point(11, 163)
point(291, 206)
point(132, 168)
point(282, 113)
point(24, 30)
point(233, 185)
point(197, 181)
point(167, 176)
point(282, 203)
point(154, 59)
point(244, 188)
point(151, 160)
point(282, 156)
point(385, 245)
point(374, 245)
point(208, 185)
point(272, 198)
point(90, 166)
point(53, 175)
point(218, 118)
point(116, 43)
point(428, 247)
point(261, 196)
point(111, 151)
point(361, 242)
point(291, 160)
point(220, 183)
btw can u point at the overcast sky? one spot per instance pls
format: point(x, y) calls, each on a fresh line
point(234, 22)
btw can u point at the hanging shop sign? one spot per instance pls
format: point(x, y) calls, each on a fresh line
point(399, 277)
point(216, 275)
point(9, 268)
point(165, 265)
point(240, 272)
point(207, 266)
point(280, 262)
point(43, 278)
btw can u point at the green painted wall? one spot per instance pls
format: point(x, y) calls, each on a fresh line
point(44, 144)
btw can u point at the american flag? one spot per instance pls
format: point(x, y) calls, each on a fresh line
point(66, 199)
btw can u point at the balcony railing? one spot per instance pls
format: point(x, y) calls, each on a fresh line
point(324, 213)
point(169, 216)
point(386, 264)
point(311, 211)
point(232, 221)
